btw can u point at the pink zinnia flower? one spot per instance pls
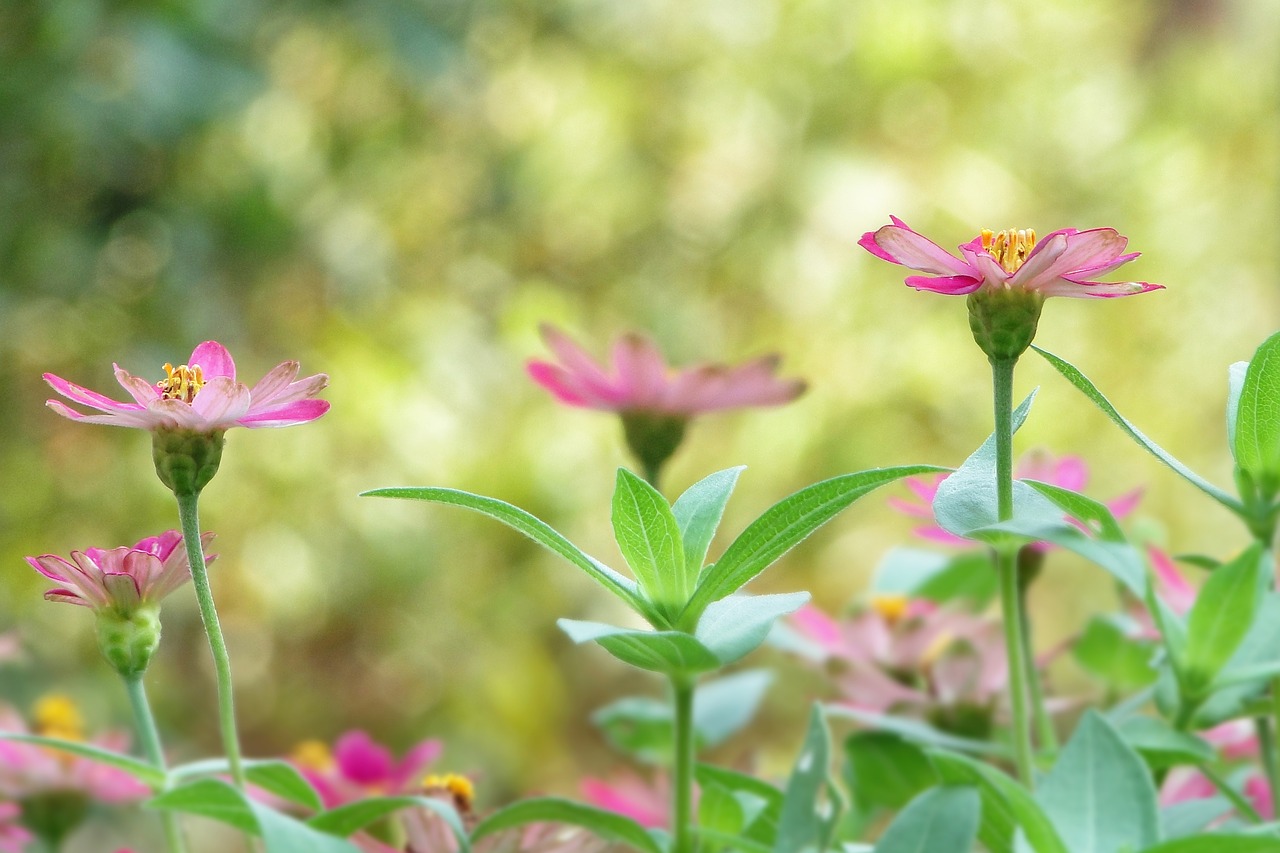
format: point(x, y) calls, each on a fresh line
point(646, 802)
point(1063, 263)
point(200, 396)
point(1066, 472)
point(639, 380)
point(358, 767)
point(120, 579)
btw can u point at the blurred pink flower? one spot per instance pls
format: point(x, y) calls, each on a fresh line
point(646, 802)
point(200, 396)
point(13, 837)
point(120, 579)
point(28, 771)
point(1061, 264)
point(1066, 472)
point(913, 658)
point(1235, 741)
point(357, 767)
point(639, 380)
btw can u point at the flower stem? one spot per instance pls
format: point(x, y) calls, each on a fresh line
point(1007, 567)
point(187, 512)
point(149, 735)
point(682, 788)
point(1048, 738)
point(1267, 748)
point(1242, 804)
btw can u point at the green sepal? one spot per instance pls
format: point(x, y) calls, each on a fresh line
point(1003, 320)
point(128, 641)
point(186, 460)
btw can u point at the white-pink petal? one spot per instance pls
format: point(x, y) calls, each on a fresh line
point(214, 360)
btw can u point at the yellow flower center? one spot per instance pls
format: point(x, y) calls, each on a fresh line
point(460, 788)
point(891, 607)
point(181, 383)
point(1009, 248)
point(57, 716)
point(312, 755)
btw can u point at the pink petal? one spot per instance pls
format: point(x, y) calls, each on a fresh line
point(564, 385)
point(297, 412)
point(214, 360)
point(85, 397)
point(1126, 503)
point(362, 760)
point(577, 362)
point(642, 372)
point(140, 389)
point(221, 401)
point(141, 420)
point(1097, 289)
point(817, 626)
point(1172, 586)
point(275, 382)
point(956, 285)
point(899, 244)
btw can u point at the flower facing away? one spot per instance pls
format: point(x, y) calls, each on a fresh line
point(54, 789)
point(911, 657)
point(357, 767)
point(123, 586)
point(201, 396)
point(1066, 472)
point(1008, 275)
point(655, 400)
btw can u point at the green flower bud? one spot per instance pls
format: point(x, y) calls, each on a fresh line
point(653, 437)
point(1003, 320)
point(129, 640)
point(186, 460)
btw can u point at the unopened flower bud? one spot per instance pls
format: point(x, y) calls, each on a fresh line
point(1003, 320)
point(653, 437)
point(186, 460)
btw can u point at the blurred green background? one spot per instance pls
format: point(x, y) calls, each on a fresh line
point(397, 193)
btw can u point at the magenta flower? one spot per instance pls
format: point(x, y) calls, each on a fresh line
point(1063, 263)
point(640, 380)
point(646, 802)
point(13, 837)
point(358, 767)
point(200, 396)
point(120, 579)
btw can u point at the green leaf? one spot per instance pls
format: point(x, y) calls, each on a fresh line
point(885, 770)
point(729, 840)
point(649, 538)
point(1162, 745)
point(698, 512)
point(1099, 794)
point(667, 652)
point(352, 817)
point(537, 530)
point(283, 779)
point(218, 800)
point(1191, 817)
point(608, 825)
point(734, 626)
point(782, 527)
point(1082, 383)
point(943, 820)
point(1107, 650)
point(916, 731)
point(916, 573)
point(1221, 617)
point(1218, 844)
point(1082, 508)
point(140, 770)
point(1257, 433)
point(1123, 561)
point(720, 811)
point(1006, 806)
point(1249, 669)
point(803, 821)
point(762, 824)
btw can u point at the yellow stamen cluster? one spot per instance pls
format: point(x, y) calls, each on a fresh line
point(1009, 248)
point(312, 755)
point(181, 383)
point(459, 788)
point(891, 607)
point(57, 716)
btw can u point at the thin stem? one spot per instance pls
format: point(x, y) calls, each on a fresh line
point(1048, 738)
point(1242, 804)
point(1007, 568)
point(682, 786)
point(149, 736)
point(187, 512)
point(1267, 749)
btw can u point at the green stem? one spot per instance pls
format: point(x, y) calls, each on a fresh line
point(187, 512)
point(1007, 568)
point(1048, 738)
point(682, 785)
point(1242, 804)
point(149, 735)
point(1267, 749)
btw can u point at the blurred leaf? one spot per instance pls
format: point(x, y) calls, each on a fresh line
point(698, 512)
point(1007, 807)
point(649, 539)
point(1216, 843)
point(942, 820)
point(1107, 651)
point(916, 731)
point(608, 825)
point(1082, 508)
point(667, 652)
point(734, 626)
point(1162, 745)
point(885, 770)
point(140, 770)
point(783, 526)
point(803, 821)
point(1223, 613)
point(1254, 662)
point(1082, 383)
point(353, 817)
point(1192, 817)
point(283, 779)
point(720, 811)
point(1099, 793)
point(967, 576)
point(1257, 427)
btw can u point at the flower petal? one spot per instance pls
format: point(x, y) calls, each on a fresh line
point(140, 389)
point(953, 285)
point(222, 401)
point(577, 362)
point(276, 380)
point(85, 397)
point(642, 372)
point(290, 414)
point(214, 360)
point(1097, 289)
point(898, 244)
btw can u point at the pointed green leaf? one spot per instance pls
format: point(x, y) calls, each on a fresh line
point(1099, 794)
point(1162, 745)
point(283, 779)
point(783, 526)
point(942, 820)
point(1007, 807)
point(803, 822)
point(608, 825)
point(649, 538)
point(917, 731)
point(353, 817)
point(1121, 560)
point(668, 652)
point(1221, 617)
point(724, 706)
point(734, 626)
point(1192, 817)
point(720, 811)
point(1095, 514)
point(698, 512)
point(1082, 383)
point(1257, 434)
point(885, 770)
point(533, 527)
point(1108, 650)
point(1218, 844)
point(140, 770)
